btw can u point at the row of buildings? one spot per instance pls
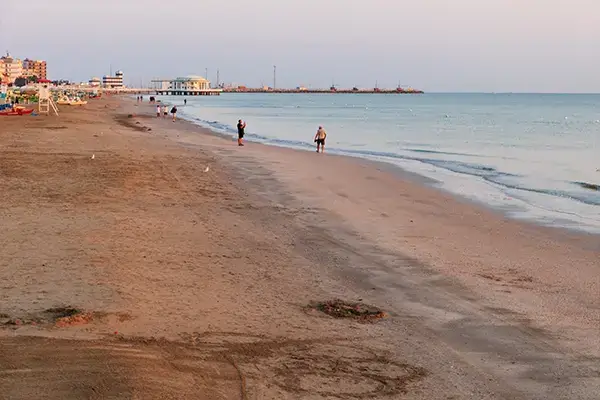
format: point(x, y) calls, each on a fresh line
point(187, 84)
point(13, 68)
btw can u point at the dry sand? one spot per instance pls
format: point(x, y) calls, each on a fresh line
point(195, 282)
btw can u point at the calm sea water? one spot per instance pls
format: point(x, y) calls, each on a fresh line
point(525, 153)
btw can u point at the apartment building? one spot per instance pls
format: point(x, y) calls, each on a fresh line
point(35, 68)
point(113, 81)
point(10, 68)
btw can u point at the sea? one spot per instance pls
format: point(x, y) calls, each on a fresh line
point(533, 156)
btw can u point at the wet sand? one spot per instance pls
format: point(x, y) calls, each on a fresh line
point(195, 261)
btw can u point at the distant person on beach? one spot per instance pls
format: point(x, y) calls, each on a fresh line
point(241, 125)
point(320, 139)
point(185, 102)
point(165, 111)
point(158, 111)
point(174, 112)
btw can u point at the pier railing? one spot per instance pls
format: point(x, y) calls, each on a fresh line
point(324, 91)
point(216, 92)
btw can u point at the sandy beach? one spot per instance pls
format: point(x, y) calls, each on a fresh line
point(192, 265)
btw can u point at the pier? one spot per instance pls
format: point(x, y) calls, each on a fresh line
point(217, 92)
point(323, 91)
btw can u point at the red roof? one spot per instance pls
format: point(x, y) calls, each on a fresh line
point(44, 81)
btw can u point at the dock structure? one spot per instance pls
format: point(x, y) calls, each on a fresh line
point(184, 86)
point(332, 90)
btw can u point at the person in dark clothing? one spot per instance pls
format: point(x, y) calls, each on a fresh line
point(174, 112)
point(240, 127)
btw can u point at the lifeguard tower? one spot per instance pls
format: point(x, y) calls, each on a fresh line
point(45, 102)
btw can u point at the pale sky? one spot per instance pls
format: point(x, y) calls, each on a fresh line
point(434, 45)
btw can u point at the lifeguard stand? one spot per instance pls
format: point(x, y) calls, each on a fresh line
point(45, 101)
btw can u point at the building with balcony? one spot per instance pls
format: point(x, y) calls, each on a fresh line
point(113, 82)
point(35, 68)
point(10, 68)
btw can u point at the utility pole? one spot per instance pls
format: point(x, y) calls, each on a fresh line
point(274, 76)
point(217, 78)
point(206, 73)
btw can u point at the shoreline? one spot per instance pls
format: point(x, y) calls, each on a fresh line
point(506, 210)
point(544, 235)
point(425, 184)
point(197, 258)
point(399, 172)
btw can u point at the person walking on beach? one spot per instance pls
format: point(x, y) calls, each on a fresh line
point(320, 139)
point(174, 112)
point(241, 125)
point(185, 102)
point(165, 111)
point(158, 111)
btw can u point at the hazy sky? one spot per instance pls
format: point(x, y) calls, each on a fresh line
point(435, 45)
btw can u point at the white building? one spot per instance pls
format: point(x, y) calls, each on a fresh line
point(191, 85)
point(95, 82)
point(191, 82)
point(113, 81)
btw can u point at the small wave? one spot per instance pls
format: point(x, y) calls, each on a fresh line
point(489, 174)
point(466, 168)
point(589, 186)
point(290, 143)
point(454, 166)
point(450, 153)
point(485, 172)
point(578, 197)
